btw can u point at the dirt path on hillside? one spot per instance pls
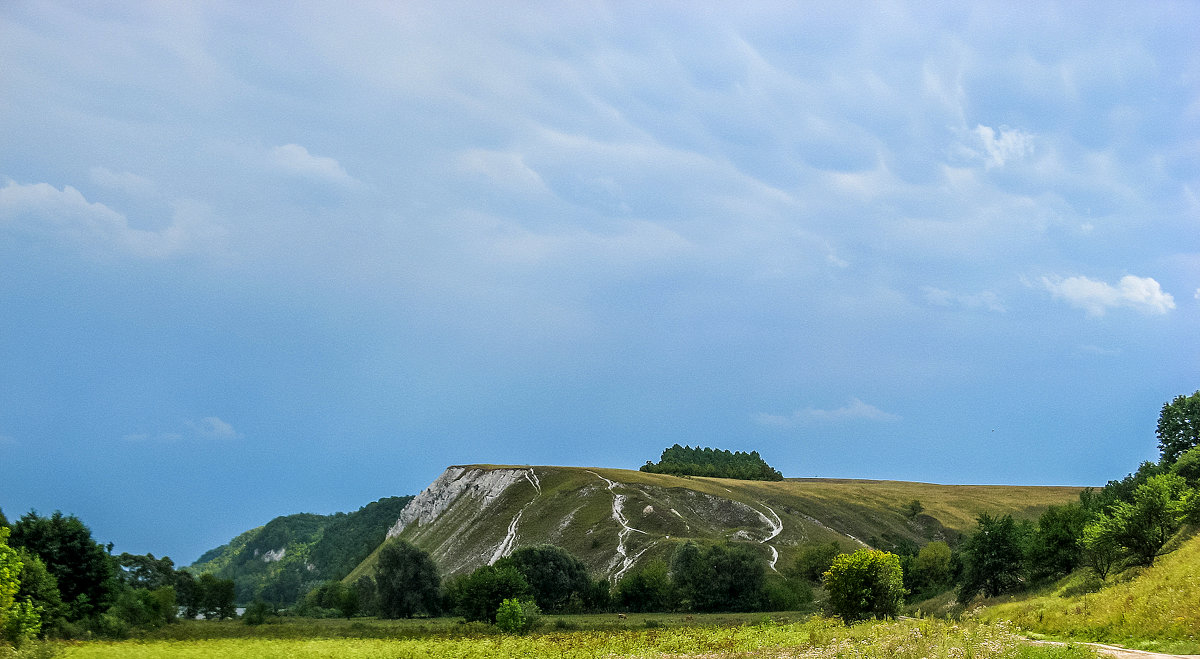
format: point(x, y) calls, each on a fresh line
point(1115, 652)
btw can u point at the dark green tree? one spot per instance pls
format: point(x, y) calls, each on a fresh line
point(478, 595)
point(368, 595)
point(85, 571)
point(407, 581)
point(187, 594)
point(1055, 548)
point(1178, 427)
point(553, 574)
point(148, 572)
point(646, 589)
point(866, 584)
point(993, 557)
point(814, 560)
point(719, 578)
point(687, 461)
point(337, 596)
point(215, 597)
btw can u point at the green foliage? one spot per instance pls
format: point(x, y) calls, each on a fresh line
point(719, 578)
point(554, 576)
point(478, 595)
point(257, 612)
point(143, 609)
point(336, 596)
point(1178, 427)
point(687, 461)
point(136, 571)
point(367, 593)
point(814, 560)
point(407, 581)
point(783, 594)
point(993, 557)
point(290, 555)
point(932, 569)
point(913, 508)
point(646, 589)
point(83, 568)
point(866, 584)
point(1188, 466)
point(215, 597)
point(1055, 549)
point(19, 621)
point(39, 588)
point(515, 616)
point(1100, 545)
point(1157, 512)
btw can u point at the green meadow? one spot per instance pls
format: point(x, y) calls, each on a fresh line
point(637, 636)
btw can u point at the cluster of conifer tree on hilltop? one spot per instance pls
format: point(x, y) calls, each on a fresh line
point(687, 461)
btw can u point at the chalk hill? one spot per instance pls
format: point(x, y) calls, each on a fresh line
point(615, 519)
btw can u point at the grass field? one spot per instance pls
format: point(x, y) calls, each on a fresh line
point(1156, 608)
point(905, 639)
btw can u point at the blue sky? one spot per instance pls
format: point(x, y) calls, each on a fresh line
point(264, 259)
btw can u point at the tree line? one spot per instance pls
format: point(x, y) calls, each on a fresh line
point(687, 461)
point(57, 581)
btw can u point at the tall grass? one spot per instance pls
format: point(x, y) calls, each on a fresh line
point(907, 639)
point(1154, 608)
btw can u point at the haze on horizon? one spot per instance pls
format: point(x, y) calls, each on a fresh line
point(258, 260)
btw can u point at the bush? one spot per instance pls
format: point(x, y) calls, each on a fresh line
point(866, 584)
point(477, 596)
point(814, 560)
point(256, 613)
point(515, 616)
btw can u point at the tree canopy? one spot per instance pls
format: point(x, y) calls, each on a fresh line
point(407, 581)
point(687, 461)
point(1178, 427)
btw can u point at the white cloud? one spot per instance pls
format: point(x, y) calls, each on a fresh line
point(214, 428)
point(1097, 297)
point(1008, 144)
point(43, 212)
point(296, 160)
point(856, 409)
point(1197, 295)
point(210, 427)
point(943, 298)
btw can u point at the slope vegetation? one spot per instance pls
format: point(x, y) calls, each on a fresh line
point(280, 559)
point(615, 519)
point(1161, 602)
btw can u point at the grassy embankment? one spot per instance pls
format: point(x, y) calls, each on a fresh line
point(906, 639)
point(1155, 608)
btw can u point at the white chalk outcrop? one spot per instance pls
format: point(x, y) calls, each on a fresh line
point(485, 485)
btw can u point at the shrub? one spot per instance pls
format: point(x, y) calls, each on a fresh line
point(515, 616)
point(866, 584)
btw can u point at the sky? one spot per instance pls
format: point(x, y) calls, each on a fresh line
point(268, 258)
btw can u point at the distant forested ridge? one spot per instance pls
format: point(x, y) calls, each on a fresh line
point(687, 461)
point(280, 561)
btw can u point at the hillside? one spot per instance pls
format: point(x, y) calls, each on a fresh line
point(614, 519)
point(280, 559)
point(1158, 602)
